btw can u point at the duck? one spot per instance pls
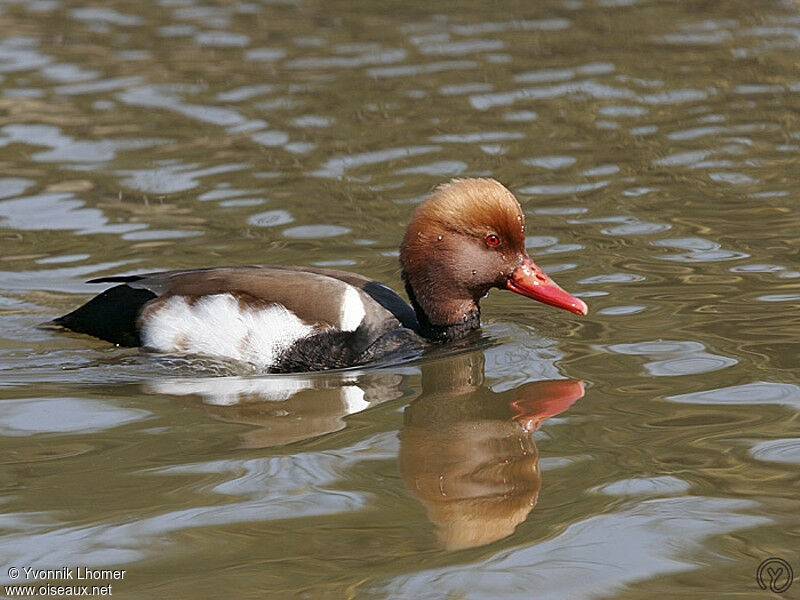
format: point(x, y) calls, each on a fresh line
point(465, 238)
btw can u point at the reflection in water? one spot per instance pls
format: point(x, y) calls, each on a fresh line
point(466, 451)
point(285, 409)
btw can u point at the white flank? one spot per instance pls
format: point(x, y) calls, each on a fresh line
point(352, 310)
point(218, 326)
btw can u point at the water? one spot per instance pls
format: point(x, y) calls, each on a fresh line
point(653, 146)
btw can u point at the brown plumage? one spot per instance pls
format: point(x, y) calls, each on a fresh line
point(444, 254)
point(473, 207)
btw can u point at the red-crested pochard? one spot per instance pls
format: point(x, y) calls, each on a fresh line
point(467, 237)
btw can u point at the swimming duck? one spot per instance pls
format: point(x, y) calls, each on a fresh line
point(466, 238)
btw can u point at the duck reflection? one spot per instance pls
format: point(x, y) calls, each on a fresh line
point(468, 453)
point(286, 409)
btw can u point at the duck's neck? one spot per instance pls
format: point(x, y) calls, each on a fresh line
point(458, 317)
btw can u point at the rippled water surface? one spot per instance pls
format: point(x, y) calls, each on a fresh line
point(650, 449)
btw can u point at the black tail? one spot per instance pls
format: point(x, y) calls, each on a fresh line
point(109, 316)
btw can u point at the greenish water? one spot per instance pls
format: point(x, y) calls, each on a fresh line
point(653, 146)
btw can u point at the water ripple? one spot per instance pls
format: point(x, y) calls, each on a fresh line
point(270, 218)
point(30, 416)
point(20, 54)
point(410, 70)
point(589, 88)
point(550, 162)
point(650, 486)
point(563, 189)
point(785, 394)
point(336, 167)
point(326, 62)
point(698, 250)
point(66, 149)
point(610, 550)
point(105, 15)
point(173, 177)
point(675, 358)
point(779, 451)
point(58, 211)
point(166, 97)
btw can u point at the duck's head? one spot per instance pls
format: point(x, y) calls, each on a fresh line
point(466, 238)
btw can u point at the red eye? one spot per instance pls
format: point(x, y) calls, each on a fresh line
point(492, 240)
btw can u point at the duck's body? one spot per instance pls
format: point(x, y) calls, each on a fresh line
point(277, 318)
point(465, 239)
